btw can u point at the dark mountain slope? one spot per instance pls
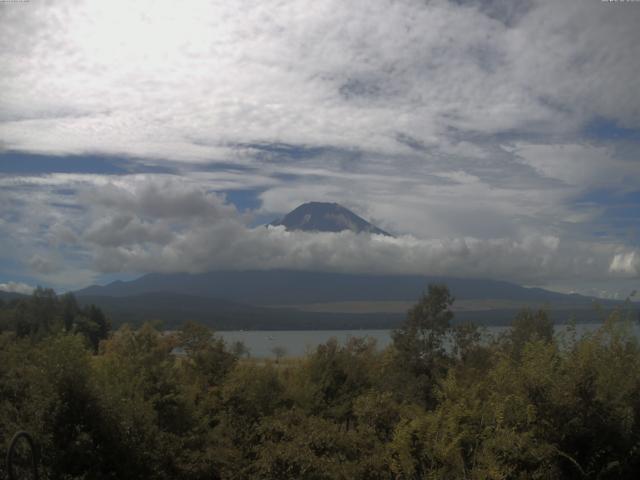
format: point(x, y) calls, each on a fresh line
point(8, 296)
point(287, 287)
point(326, 217)
point(172, 310)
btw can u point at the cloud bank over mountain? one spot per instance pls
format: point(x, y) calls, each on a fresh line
point(165, 226)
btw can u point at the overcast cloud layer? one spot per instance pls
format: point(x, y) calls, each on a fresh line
point(496, 138)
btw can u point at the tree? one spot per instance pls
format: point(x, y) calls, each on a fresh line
point(528, 326)
point(93, 324)
point(419, 342)
point(294, 445)
point(35, 317)
point(69, 307)
point(207, 354)
point(334, 376)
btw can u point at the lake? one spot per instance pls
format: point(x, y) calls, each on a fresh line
point(298, 342)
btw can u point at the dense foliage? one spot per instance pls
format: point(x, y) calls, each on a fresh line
point(440, 402)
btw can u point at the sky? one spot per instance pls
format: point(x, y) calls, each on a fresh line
point(496, 139)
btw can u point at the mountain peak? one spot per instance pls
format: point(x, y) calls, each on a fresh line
point(326, 217)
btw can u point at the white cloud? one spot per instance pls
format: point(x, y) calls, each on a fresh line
point(579, 57)
point(578, 165)
point(44, 264)
point(147, 223)
point(216, 237)
point(456, 123)
point(16, 287)
point(165, 80)
point(626, 263)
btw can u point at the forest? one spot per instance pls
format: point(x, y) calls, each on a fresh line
point(441, 402)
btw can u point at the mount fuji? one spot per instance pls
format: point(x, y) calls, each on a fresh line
point(326, 217)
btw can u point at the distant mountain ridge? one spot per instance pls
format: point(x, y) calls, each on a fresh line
point(8, 296)
point(279, 299)
point(173, 309)
point(288, 287)
point(326, 217)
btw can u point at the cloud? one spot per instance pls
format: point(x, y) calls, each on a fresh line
point(44, 264)
point(577, 165)
point(626, 263)
point(145, 223)
point(458, 125)
point(190, 83)
point(217, 237)
point(569, 56)
point(160, 199)
point(16, 287)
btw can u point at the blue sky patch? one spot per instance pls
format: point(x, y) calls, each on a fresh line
point(31, 164)
point(607, 130)
point(26, 163)
point(244, 199)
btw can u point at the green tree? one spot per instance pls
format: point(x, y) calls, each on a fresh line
point(334, 376)
point(419, 343)
point(92, 323)
point(69, 310)
point(529, 325)
point(294, 445)
point(250, 393)
point(207, 355)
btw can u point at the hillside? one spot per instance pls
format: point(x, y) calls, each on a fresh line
point(171, 310)
point(289, 287)
point(326, 217)
point(283, 299)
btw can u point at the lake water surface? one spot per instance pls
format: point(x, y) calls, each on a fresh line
point(298, 342)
